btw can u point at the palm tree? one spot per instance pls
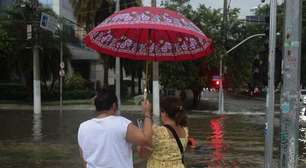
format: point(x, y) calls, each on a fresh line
point(92, 12)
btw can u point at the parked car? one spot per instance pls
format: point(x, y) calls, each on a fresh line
point(303, 96)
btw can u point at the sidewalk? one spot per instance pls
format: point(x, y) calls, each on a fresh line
point(74, 107)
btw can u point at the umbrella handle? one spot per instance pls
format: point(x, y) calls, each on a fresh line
point(145, 94)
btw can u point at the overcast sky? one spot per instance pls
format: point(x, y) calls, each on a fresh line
point(244, 5)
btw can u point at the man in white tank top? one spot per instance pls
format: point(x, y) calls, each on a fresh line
point(106, 140)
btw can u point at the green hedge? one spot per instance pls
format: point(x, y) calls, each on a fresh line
point(19, 92)
point(11, 91)
point(78, 94)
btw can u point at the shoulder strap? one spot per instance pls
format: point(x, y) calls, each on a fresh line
point(178, 141)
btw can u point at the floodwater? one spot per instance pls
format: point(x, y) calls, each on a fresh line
point(49, 140)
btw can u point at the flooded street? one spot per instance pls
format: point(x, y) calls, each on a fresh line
point(50, 140)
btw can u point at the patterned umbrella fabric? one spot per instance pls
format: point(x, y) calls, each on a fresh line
point(152, 34)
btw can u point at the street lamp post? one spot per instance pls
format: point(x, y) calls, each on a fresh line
point(221, 93)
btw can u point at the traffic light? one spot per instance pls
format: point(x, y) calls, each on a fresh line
point(217, 83)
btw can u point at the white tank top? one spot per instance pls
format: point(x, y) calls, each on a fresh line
point(103, 143)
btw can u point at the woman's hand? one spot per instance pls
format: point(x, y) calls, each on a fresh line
point(147, 108)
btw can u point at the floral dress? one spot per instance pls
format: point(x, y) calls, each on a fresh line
point(166, 153)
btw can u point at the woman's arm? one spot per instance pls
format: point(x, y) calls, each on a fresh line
point(143, 136)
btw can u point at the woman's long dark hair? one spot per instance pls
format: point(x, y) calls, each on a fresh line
point(173, 107)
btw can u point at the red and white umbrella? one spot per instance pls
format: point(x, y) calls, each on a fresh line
point(151, 34)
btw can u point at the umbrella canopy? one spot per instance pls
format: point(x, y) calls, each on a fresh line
point(148, 33)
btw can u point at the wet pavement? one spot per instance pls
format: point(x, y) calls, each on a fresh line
point(49, 140)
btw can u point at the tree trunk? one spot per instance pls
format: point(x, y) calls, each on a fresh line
point(121, 74)
point(196, 97)
point(106, 68)
point(133, 83)
point(50, 89)
point(139, 85)
point(122, 91)
point(183, 95)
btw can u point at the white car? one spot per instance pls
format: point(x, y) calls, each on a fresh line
point(303, 96)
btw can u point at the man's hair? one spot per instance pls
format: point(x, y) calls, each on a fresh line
point(105, 99)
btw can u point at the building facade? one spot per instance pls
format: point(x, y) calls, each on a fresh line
point(84, 61)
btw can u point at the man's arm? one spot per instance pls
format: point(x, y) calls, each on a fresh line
point(143, 136)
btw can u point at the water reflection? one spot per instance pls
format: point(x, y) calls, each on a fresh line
point(37, 127)
point(216, 126)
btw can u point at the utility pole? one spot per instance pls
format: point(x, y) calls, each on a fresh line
point(290, 105)
point(62, 64)
point(270, 95)
point(156, 115)
point(36, 77)
point(221, 94)
point(117, 69)
point(36, 67)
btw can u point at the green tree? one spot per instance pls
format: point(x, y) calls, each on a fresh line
point(237, 65)
point(134, 69)
point(188, 74)
point(18, 51)
point(91, 13)
point(5, 45)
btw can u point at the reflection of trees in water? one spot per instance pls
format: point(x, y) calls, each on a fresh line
point(217, 143)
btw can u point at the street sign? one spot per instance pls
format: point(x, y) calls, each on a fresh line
point(29, 32)
point(48, 22)
point(62, 73)
point(62, 65)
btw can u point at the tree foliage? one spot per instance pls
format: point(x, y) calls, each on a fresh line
point(195, 75)
point(91, 13)
point(16, 51)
